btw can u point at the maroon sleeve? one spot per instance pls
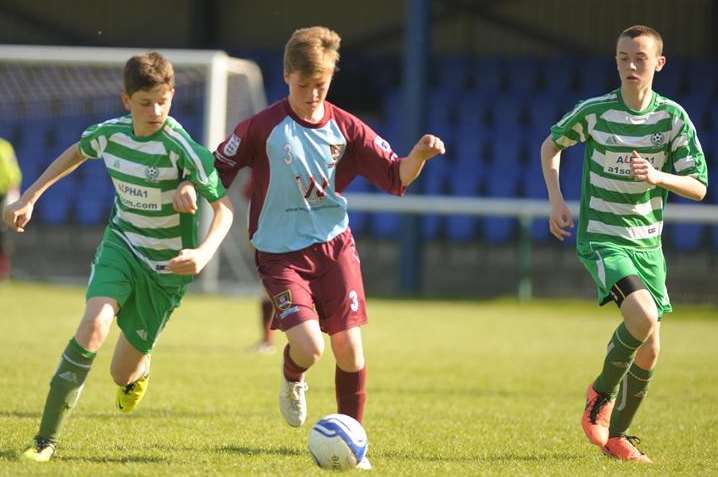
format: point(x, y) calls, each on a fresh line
point(234, 153)
point(368, 155)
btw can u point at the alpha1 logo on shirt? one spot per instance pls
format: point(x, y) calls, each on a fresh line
point(619, 163)
point(138, 197)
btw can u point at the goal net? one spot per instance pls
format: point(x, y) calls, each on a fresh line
point(49, 95)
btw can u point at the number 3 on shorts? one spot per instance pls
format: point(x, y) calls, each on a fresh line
point(354, 297)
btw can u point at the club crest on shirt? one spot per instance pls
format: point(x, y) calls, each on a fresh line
point(657, 138)
point(230, 148)
point(152, 173)
point(336, 151)
point(283, 300)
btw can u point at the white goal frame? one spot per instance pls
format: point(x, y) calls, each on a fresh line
point(217, 65)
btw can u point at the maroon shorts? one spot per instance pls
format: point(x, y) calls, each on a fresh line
point(322, 281)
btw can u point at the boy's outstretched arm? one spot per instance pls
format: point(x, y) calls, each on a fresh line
point(560, 218)
point(18, 214)
point(411, 166)
point(191, 261)
point(685, 186)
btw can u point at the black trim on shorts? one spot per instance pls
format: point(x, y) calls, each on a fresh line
point(622, 288)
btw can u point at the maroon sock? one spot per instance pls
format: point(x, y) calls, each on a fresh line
point(292, 371)
point(351, 392)
point(267, 312)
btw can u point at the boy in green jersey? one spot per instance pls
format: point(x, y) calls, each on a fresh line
point(148, 253)
point(639, 145)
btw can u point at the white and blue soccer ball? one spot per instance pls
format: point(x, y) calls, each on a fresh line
point(337, 442)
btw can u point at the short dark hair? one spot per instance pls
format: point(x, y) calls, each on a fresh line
point(146, 71)
point(641, 30)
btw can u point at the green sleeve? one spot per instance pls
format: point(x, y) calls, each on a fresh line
point(92, 142)
point(197, 164)
point(571, 129)
point(687, 154)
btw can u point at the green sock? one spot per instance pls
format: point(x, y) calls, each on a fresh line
point(630, 396)
point(65, 388)
point(620, 354)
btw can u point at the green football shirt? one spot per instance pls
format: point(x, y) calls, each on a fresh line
point(615, 208)
point(145, 172)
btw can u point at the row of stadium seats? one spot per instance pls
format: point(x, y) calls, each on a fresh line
point(490, 113)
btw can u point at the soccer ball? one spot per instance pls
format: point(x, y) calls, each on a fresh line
point(337, 442)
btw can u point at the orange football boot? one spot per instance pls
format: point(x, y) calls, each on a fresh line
point(596, 416)
point(624, 448)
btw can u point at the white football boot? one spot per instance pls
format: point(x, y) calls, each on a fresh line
point(364, 464)
point(293, 402)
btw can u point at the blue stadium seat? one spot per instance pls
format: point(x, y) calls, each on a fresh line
point(488, 75)
point(669, 81)
point(435, 178)
point(454, 71)
point(358, 221)
point(523, 75)
point(508, 111)
point(597, 76)
point(534, 187)
point(54, 206)
point(559, 75)
point(685, 236)
point(96, 196)
point(697, 106)
point(701, 77)
point(503, 182)
point(570, 172)
point(543, 111)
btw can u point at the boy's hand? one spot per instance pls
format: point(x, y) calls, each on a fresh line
point(560, 220)
point(190, 261)
point(428, 147)
point(17, 215)
point(642, 170)
point(185, 199)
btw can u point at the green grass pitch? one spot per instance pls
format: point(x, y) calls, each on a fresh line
point(455, 388)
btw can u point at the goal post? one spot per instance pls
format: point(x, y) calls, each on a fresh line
point(219, 90)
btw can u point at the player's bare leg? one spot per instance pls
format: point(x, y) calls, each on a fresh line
point(305, 347)
point(131, 372)
point(640, 320)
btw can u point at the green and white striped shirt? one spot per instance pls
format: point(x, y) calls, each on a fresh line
point(615, 208)
point(146, 172)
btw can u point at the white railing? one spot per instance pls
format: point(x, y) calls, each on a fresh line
point(525, 210)
point(519, 208)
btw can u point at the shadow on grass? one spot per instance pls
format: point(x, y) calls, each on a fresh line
point(507, 457)
point(249, 451)
point(20, 414)
point(438, 391)
point(8, 455)
point(130, 459)
point(555, 456)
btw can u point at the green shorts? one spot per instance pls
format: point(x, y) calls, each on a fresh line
point(607, 264)
point(145, 305)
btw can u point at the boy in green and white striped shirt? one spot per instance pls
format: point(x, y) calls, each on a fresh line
point(149, 252)
point(639, 145)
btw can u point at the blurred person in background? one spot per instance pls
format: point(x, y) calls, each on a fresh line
point(10, 178)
